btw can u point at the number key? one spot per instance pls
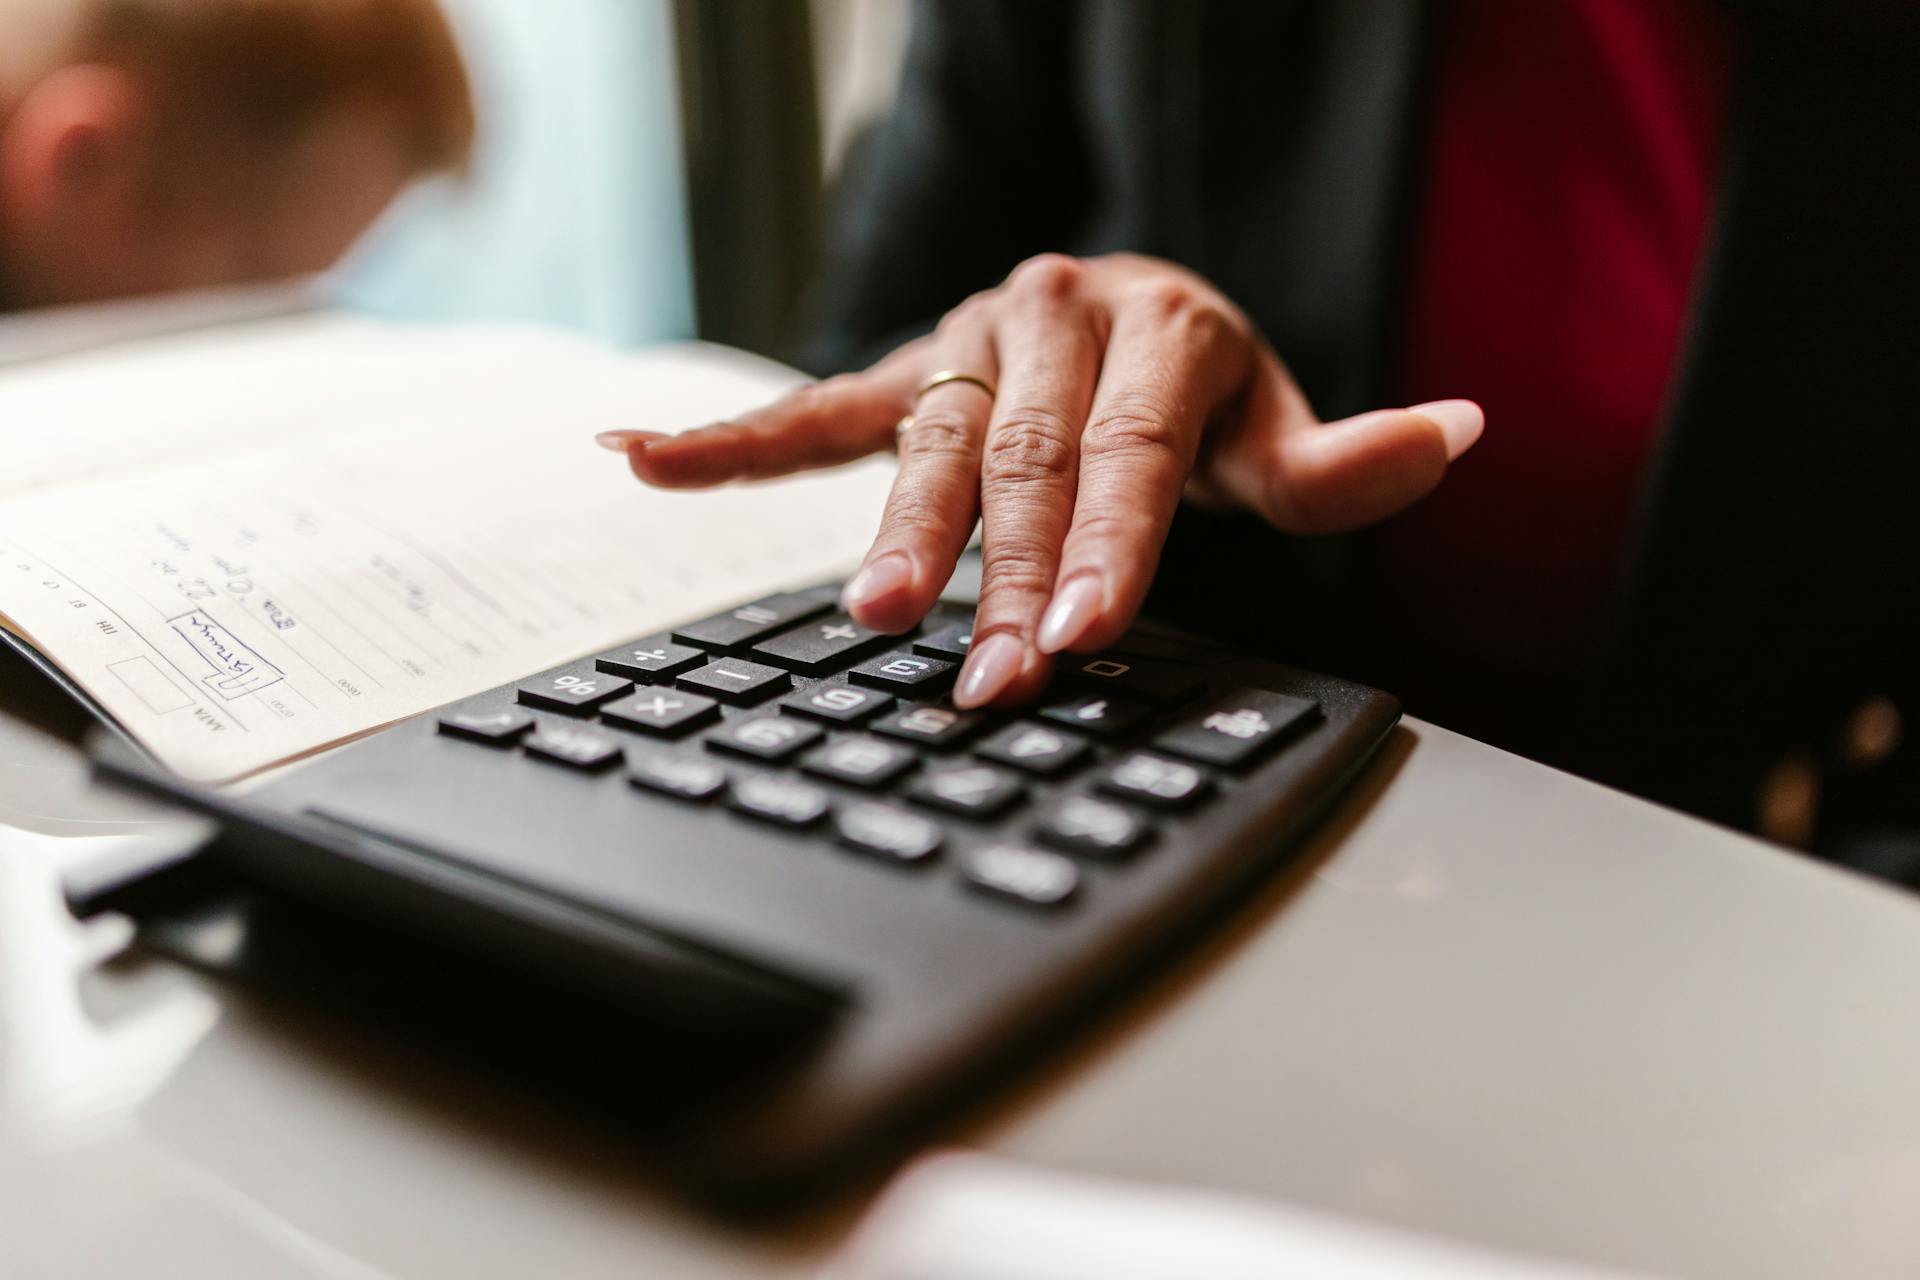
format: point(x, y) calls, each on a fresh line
point(840, 703)
point(765, 737)
point(930, 726)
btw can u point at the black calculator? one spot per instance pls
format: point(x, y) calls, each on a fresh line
point(770, 831)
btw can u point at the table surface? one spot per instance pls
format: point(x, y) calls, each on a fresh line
point(1491, 1001)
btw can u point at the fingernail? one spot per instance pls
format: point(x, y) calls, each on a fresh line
point(1075, 607)
point(890, 573)
point(1460, 422)
point(623, 441)
point(993, 663)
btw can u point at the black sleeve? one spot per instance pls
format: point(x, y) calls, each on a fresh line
point(980, 163)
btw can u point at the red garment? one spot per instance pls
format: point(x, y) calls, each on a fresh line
point(1571, 171)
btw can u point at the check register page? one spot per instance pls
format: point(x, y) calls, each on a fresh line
point(249, 544)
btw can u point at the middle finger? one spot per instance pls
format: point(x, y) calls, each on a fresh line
point(1049, 360)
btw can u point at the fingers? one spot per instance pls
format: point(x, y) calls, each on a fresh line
point(820, 425)
point(935, 499)
point(1050, 358)
point(1309, 477)
point(1172, 358)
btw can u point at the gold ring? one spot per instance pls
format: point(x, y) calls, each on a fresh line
point(945, 376)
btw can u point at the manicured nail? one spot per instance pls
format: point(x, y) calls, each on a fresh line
point(1460, 422)
point(992, 664)
point(890, 573)
point(1075, 607)
point(623, 441)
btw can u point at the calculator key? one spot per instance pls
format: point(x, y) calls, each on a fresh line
point(1083, 824)
point(1138, 677)
point(750, 622)
point(1104, 714)
point(1233, 730)
point(950, 642)
point(565, 744)
point(930, 726)
point(1154, 780)
point(667, 713)
point(1034, 748)
point(903, 672)
point(672, 773)
point(977, 791)
point(578, 688)
point(1028, 876)
point(736, 680)
point(840, 703)
point(859, 761)
point(786, 801)
point(887, 832)
point(655, 660)
point(497, 728)
point(766, 737)
point(825, 644)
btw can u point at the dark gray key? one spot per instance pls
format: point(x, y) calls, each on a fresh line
point(822, 645)
point(887, 832)
point(578, 688)
point(672, 773)
point(736, 680)
point(1083, 824)
point(566, 744)
point(840, 703)
point(859, 761)
point(1135, 677)
point(666, 713)
point(787, 802)
point(750, 623)
point(1232, 731)
point(1104, 714)
point(974, 791)
point(655, 660)
point(1034, 748)
point(497, 728)
point(930, 726)
point(908, 673)
point(1154, 780)
point(767, 737)
point(950, 642)
point(1030, 877)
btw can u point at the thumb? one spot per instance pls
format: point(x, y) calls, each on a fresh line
point(1335, 476)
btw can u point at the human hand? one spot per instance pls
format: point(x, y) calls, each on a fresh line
point(1096, 392)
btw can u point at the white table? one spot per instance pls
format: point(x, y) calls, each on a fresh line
point(1494, 1002)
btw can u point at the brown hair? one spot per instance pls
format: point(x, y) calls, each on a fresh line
point(258, 72)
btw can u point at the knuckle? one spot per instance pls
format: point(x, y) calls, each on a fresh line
point(1030, 445)
point(938, 432)
point(1015, 568)
point(913, 524)
point(1050, 276)
point(1138, 423)
point(1162, 296)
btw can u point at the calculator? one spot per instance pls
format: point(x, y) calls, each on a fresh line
point(770, 831)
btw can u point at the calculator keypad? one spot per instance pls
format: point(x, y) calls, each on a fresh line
point(1021, 806)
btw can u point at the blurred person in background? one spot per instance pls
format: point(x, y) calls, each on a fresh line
point(1670, 247)
point(148, 146)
